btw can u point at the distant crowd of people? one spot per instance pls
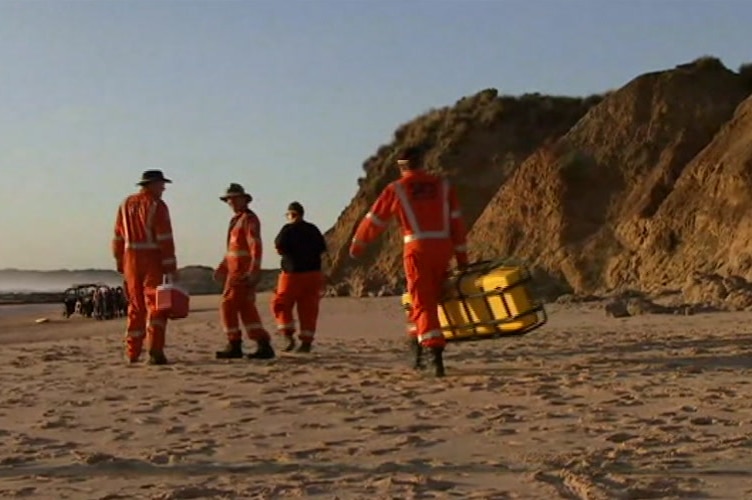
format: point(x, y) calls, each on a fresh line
point(92, 301)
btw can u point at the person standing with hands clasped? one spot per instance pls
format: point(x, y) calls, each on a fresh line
point(300, 243)
point(144, 252)
point(240, 270)
point(433, 230)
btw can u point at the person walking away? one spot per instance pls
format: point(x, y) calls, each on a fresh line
point(428, 212)
point(144, 252)
point(300, 281)
point(240, 270)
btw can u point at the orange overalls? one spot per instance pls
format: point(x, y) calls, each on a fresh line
point(144, 251)
point(300, 283)
point(244, 251)
point(427, 210)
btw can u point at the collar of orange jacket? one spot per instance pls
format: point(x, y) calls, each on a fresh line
point(148, 193)
point(413, 172)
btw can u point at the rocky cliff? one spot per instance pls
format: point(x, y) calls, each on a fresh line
point(584, 211)
point(645, 188)
point(477, 143)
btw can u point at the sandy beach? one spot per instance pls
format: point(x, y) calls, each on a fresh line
point(588, 407)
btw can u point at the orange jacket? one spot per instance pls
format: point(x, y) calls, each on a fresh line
point(426, 208)
point(143, 226)
point(244, 249)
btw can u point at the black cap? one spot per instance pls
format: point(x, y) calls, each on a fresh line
point(295, 207)
point(413, 154)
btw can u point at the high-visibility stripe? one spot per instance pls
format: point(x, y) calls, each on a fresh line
point(231, 330)
point(375, 219)
point(134, 334)
point(164, 237)
point(168, 262)
point(285, 326)
point(155, 322)
point(253, 326)
point(141, 246)
point(306, 334)
point(124, 219)
point(417, 233)
point(431, 334)
point(425, 235)
point(150, 221)
point(456, 214)
point(150, 243)
point(238, 253)
point(460, 248)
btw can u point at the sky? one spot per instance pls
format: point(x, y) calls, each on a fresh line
point(286, 97)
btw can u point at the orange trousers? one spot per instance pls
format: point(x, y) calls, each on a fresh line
point(303, 292)
point(142, 275)
point(239, 304)
point(426, 272)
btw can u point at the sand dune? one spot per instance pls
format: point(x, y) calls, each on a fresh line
point(587, 407)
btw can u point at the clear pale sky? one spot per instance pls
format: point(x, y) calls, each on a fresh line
point(286, 97)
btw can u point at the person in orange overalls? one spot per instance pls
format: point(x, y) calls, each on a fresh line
point(300, 281)
point(240, 270)
point(428, 212)
point(145, 254)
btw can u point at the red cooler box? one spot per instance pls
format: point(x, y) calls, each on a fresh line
point(173, 298)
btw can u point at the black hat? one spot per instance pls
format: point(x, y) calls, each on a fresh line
point(235, 189)
point(412, 154)
point(152, 176)
point(295, 207)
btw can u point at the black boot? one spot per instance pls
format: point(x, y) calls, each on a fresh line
point(290, 343)
point(305, 346)
point(264, 351)
point(438, 361)
point(416, 350)
point(157, 358)
point(233, 350)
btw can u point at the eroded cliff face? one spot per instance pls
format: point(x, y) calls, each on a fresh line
point(611, 203)
point(645, 188)
point(477, 143)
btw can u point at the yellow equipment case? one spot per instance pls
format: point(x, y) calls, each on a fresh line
point(487, 300)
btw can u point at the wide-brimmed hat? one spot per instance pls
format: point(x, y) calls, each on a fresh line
point(152, 176)
point(235, 189)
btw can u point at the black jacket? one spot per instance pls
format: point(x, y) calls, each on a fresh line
point(300, 244)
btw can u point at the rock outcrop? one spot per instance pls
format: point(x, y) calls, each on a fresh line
point(649, 187)
point(478, 143)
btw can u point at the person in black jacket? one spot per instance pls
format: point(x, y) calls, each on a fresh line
point(300, 282)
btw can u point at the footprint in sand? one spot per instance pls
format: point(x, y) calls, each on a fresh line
point(315, 425)
point(122, 435)
point(621, 437)
point(61, 422)
point(383, 451)
point(174, 429)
